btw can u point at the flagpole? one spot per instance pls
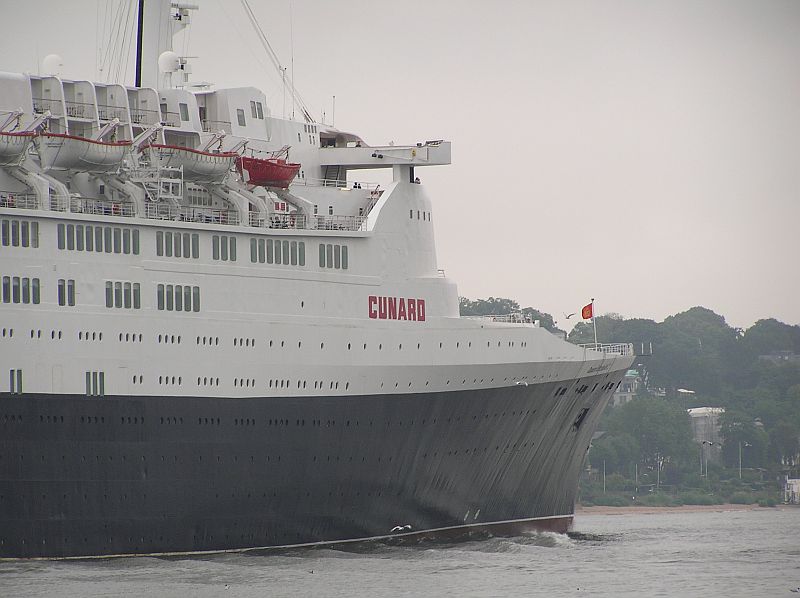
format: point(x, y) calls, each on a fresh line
point(594, 323)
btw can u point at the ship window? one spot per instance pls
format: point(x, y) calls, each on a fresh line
point(178, 297)
point(168, 244)
point(187, 245)
point(89, 238)
point(70, 236)
point(62, 298)
point(126, 240)
point(260, 110)
point(117, 240)
point(254, 250)
point(329, 255)
point(98, 238)
point(215, 247)
point(330, 210)
point(293, 253)
point(270, 251)
point(4, 228)
point(177, 240)
point(253, 111)
point(285, 248)
point(195, 245)
point(184, 108)
point(25, 233)
point(240, 117)
point(107, 238)
point(223, 249)
point(117, 294)
point(35, 290)
point(195, 298)
point(302, 253)
point(344, 257)
point(6, 289)
point(187, 297)
point(337, 256)
point(169, 296)
point(126, 295)
point(78, 237)
point(15, 233)
point(109, 294)
point(160, 296)
point(137, 296)
point(159, 243)
point(15, 382)
point(15, 289)
point(261, 251)
point(277, 252)
point(26, 290)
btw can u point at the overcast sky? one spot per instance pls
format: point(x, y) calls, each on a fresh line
point(646, 154)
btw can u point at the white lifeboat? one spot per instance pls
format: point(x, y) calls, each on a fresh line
point(198, 166)
point(13, 146)
point(69, 152)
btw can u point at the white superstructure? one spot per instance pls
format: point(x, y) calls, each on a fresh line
point(136, 261)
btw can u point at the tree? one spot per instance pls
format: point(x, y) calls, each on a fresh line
point(739, 429)
point(661, 430)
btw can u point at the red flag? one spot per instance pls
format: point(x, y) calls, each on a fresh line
point(586, 312)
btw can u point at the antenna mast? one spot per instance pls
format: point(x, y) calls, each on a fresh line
point(296, 99)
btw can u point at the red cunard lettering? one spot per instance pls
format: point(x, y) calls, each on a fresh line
point(396, 308)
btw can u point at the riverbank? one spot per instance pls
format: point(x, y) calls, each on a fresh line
point(649, 510)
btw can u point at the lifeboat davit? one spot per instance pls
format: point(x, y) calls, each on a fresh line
point(267, 172)
point(13, 147)
point(198, 166)
point(70, 152)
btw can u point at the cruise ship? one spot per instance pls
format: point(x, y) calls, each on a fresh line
point(212, 339)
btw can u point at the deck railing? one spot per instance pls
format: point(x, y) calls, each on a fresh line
point(42, 105)
point(516, 318)
point(101, 207)
point(21, 201)
point(106, 112)
point(80, 109)
point(212, 126)
point(155, 211)
point(148, 117)
point(623, 349)
point(170, 119)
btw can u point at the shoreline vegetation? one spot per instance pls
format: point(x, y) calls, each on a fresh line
point(655, 510)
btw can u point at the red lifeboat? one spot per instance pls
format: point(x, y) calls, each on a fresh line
point(267, 172)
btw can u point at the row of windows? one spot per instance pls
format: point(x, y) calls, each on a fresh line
point(256, 110)
point(124, 295)
point(333, 256)
point(178, 297)
point(66, 292)
point(273, 251)
point(108, 239)
point(425, 215)
point(122, 240)
point(18, 289)
point(19, 233)
point(223, 248)
point(178, 244)
point(95, 384)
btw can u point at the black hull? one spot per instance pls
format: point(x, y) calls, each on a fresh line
point(134, 475)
